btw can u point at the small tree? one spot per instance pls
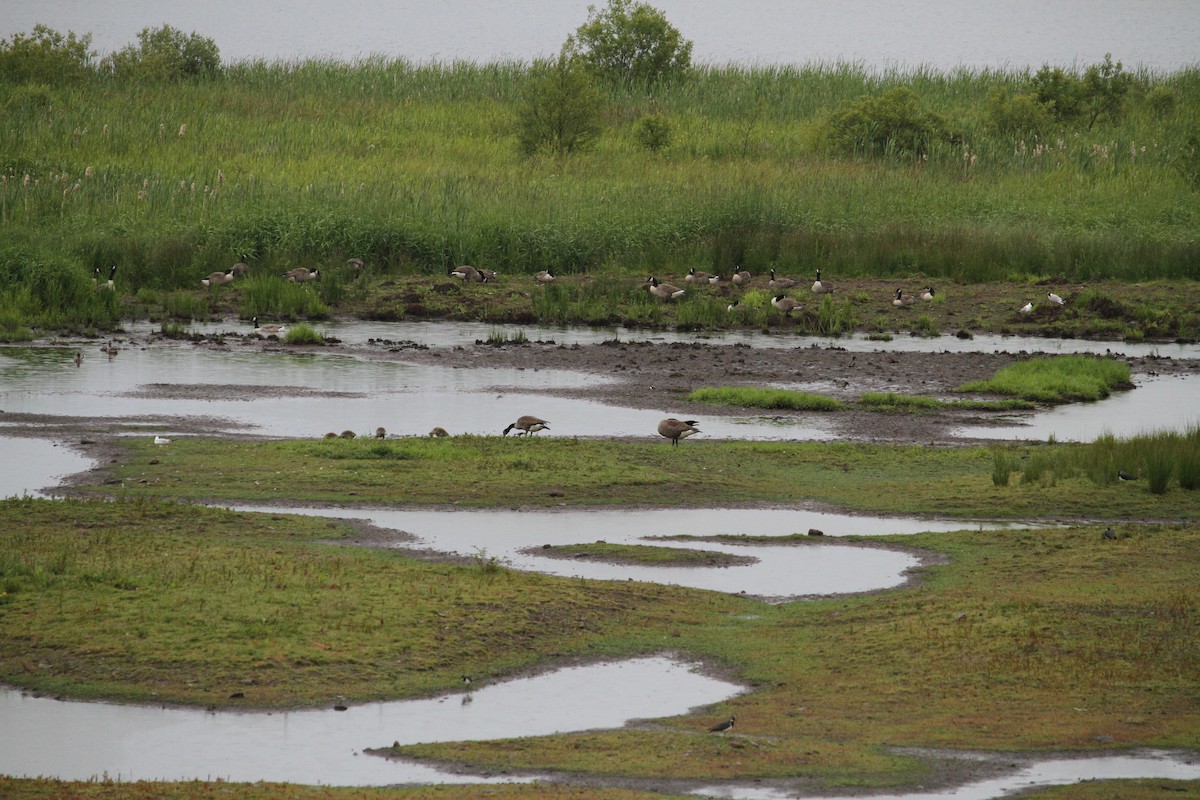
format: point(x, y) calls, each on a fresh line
point(1060, 92)
point(632, 44)
point(167, 54)
point(1019, 114)
point(561, 111)
point(653, 132)
point(1104, 88)
point(46, 56)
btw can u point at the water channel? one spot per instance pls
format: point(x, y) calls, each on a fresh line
point(77, 740)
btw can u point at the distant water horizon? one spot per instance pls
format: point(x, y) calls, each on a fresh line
point(945, 35)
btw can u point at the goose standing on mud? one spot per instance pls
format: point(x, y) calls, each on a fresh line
point(663, 291)
point(675, 429)
point(527, 425)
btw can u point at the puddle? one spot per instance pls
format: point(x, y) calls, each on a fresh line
point(455, 334)
point(779, 573)
point(1158, 403)
point(1052, 772)
point(31, 466)
point(71, 740)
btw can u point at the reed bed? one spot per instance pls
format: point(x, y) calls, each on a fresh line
point(415, 168)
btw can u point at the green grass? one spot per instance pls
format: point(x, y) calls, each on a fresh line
point(540, 471)
point(196, 603)
point(748, 397)
point(1057, 379)
point(890, 401)
point(643, 554)
point(303, 334)
point(414, 168)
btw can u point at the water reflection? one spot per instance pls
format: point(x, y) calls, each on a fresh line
point(1053, 772)
point(462, 334)
point(72, 740)
point(1158, 403)
point(35, 466)
point(779, 573)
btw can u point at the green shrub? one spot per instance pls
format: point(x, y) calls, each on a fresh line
point(892, 123)
point(653, 132)
point(46, 56)
point(166, 54)
point(561, 111)
point(1162, 100)
point(1019, 115)
point(1003, 466)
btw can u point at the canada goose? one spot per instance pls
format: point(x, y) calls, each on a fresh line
point(675, 429)
point(355, 265)
point(785, 304)
point(240, 268)
point(821, 288)
point(545, 276)
point(468, 274)
point(269, 330)
point(348, 434)
point(740, 277)
point(161, 440)
point(663, 291)
point(901, 299)
point(527, 425)
point(1027, 308)
point(488, 274)
point(696, 277)
point(301, 274)
point(1058, 301)
point(218, 279)
point(780, 283)
point(722, 727)
point(437, 433)
point(78, 358)
point(380, 433)
point(108, 285)
point(927, 295)
point(733, 306)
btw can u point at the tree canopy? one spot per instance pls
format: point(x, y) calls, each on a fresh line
point(632, 44)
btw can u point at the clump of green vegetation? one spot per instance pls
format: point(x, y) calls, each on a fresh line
point(890, 401)
point(303, 334)
point(1057, 379)
point(645, 554)
point(1003, 466)
point(765, 398)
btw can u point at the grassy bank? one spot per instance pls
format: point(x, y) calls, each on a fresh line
point(1032, 639)
point(414, 169)
point(1047, 480)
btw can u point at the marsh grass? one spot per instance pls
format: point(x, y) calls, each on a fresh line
point(1057, 379)
point(303, 334)
point(748, 397)
point(891, 401)
point(201, 602)
point(418, 470)
point(645, 554)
